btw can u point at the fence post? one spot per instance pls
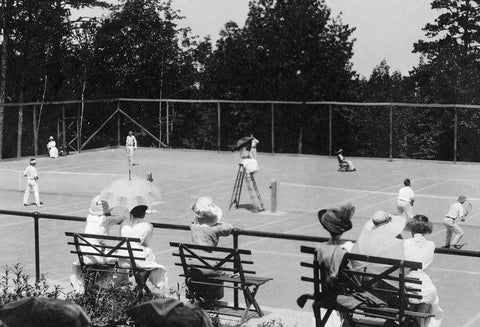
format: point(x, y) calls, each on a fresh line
point(118, 126)
point(168, 126)
point(37, 245)
point(64, 130)
point(273, 188)
point(455, 132)
point(329, 130)
point(218, 127)
point(390, 146)
point(235, 290)
point(79, 137)
point(273, 127)
point(160, 122)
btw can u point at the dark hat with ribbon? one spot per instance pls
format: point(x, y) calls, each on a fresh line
point(337, 220)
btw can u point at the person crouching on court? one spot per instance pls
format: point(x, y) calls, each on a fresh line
point(99, 222)
point(419, 249)
point(206, 228)
point(450, 222)
point(137, 227)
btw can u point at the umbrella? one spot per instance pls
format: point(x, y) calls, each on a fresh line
point(242, 141)
point(43, 312)
point(154, 313)
point(379, 238)
point(130, 193)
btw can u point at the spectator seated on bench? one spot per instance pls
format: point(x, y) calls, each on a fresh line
point(206, 266)
point(343, 164)
point(108, 251)
point(99, 222)
point(137, 227)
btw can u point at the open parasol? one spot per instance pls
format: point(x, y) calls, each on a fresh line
point(242, 142)
point(43, 312)
point(130, 193)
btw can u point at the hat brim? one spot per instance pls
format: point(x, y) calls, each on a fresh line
point(211, 218)
point(374, 239)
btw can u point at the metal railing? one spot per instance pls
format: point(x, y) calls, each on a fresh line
point(236, 233)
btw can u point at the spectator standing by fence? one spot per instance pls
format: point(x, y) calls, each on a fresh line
point(31, 174)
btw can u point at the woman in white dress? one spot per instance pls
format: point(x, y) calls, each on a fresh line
point(137, 227)
point(52, 148)
point(419, 249)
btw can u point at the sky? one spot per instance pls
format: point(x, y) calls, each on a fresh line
point(385, 29)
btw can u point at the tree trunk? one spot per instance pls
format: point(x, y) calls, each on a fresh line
point(3, 73)
point(35, 131)
point(20, 119)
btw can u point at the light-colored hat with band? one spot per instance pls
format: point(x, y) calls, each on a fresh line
point(206, 212)
point(99, 207)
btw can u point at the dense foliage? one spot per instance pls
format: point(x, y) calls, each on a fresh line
point(287, 50)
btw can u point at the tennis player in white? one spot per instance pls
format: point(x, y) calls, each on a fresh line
point(130, 147)
point(31, 173)
point(455, 212)
point(405, 200)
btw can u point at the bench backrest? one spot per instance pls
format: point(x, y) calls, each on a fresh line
point(105, 247)
point(383, 277)
point(227, 260)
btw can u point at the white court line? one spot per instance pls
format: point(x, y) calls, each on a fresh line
point(456, 271)
point(472, 322)
point(379, 192)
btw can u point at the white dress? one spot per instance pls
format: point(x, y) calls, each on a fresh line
point(421, 250)
point(98, 225)
point(52, 149)
point(139, 228)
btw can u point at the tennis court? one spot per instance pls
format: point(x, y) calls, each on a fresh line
point(305, 185)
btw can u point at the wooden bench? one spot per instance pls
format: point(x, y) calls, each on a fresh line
point(209, 270)
point(106, 251)
point(388, 285)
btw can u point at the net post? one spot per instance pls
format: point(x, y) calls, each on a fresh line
point(273, 192)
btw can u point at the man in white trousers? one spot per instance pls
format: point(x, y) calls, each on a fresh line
point(31, 173)
point(130, 147)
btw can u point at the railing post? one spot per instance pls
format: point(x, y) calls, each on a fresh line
point(273, 188)
point(273, 127)
point(329, 130)
point(218, 127)
point(390, 146)
point(235, 290)
point(37, 245)
point(455, 135)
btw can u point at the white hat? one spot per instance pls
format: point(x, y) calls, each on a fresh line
point(379, 233)
point(206, 212)
point(99, 207)
point(51, 138)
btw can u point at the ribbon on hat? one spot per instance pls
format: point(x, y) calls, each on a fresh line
point(337, 220)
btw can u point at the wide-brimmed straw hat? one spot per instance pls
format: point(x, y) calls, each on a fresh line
point(380, 233)
point(206, 212)
point(337, 220)
point(99, 207)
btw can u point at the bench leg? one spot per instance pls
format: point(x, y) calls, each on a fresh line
point(141, 280)
point(249, 301)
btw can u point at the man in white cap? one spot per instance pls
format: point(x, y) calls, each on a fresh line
point(405, 200)
point(31, 173)
point(455, 212)
point(130, 147)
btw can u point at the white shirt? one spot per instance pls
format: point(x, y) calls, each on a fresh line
point(51, 144)
point(419, 249)
point(455, 211)
point(406, 194)
point(30, 172)
point(131, 141)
